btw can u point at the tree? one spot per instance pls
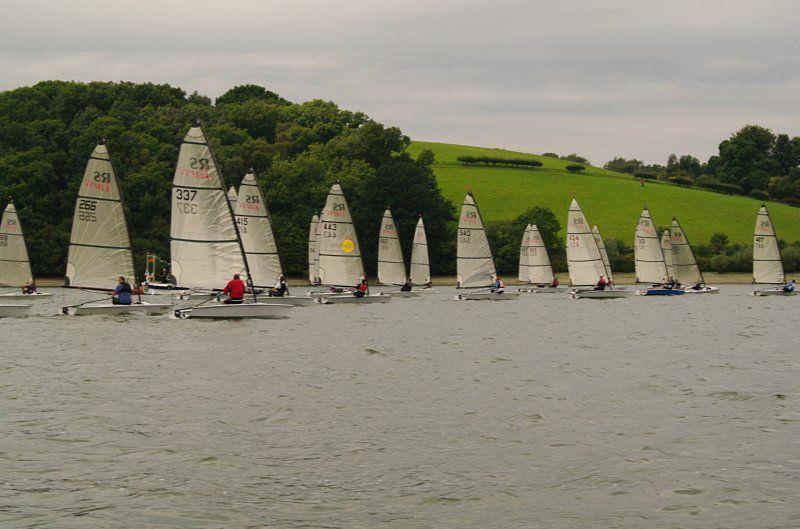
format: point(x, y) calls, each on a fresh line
point(621, 165)
point(575, 168)
point(575, 158)
point(746, 158)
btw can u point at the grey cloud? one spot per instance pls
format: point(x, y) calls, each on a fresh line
point(602, 78)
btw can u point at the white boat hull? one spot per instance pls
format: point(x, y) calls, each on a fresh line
point(350, 298)
point(776, 291)
point(544, 290)
point(295, 301)
point(243, 310)
point(600, 294)
point(151, 309)
point(704, 290)
point(29, 297)
point(162, 289)
point(11, 311)
point(492, 296)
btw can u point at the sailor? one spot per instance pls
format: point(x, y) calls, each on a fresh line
point(280, 289)
point(406, 287)
point(670, 284)
point(554, 283)
point(361, 289)
point(601, 283)
point(788, 288)
point(698, 286)
point(122, 294)
point(499, 286)
point(29, 288)
point(235, 291)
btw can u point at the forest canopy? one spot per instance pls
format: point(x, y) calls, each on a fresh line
point(48, 130)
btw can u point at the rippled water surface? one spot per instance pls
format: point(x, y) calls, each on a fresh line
point(542, 412)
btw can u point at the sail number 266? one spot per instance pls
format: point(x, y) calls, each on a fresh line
point(86, 210)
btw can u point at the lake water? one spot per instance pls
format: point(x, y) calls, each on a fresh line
point(542, 412)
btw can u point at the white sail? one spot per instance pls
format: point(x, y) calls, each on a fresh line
point(316, 253)
point(686, 270)
point(541, 272)
point(524, 274)
point(669, 253)
point(391, 266)
point(205, 245)
point(475, 266)
point(15, 269)
point(767, 263)
point(603, 254)
point(420, 265)
point(650, 265)
point(233, 197)
point(583, 255)
point(340, 261)
point(255, 228)
point(99, 244)
point(313, 257)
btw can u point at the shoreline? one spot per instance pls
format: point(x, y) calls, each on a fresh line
point(628, 278)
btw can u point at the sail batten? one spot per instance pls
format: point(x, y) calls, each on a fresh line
point(15, 267)
point(100, 245)
point(391, 266)
point(686, 270)
point(205, 245)
point(340, 262)
point(255, 229)
point(767, 262)
point(420, 269)
point(475, 265)
point(650, 265)
point(583, 255)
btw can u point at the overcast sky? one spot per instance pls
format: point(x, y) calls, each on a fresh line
point(601, 78)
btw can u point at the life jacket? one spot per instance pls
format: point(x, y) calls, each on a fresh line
point(500, 284)
point(362, 287)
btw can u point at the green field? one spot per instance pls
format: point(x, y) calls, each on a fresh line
point(611, 200)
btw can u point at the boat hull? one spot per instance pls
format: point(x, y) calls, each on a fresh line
point(404, 294)
point(704, 290)
point(545, 290)
point(349, 298)
point(30, 297)
point(295, 301)
point(777, 291)
point(483, 296)
point(663, 292)
point(13, 311)
point(162, 289)
point(600, 294)
point(151, 309)
point(241, 311)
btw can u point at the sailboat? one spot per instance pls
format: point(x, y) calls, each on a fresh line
point(767, 262)
point(524, 273)
point(669, 252)
point(420, 270)
point(313, 255)
point(540, 271)
point(687, 273)
point(649, 253)
point(206, 246)
point(584, 260)
point(100, 245)
point(391, 265)
point(475, 265)
point(603, 254)
point(15, 268)
point(340, 264)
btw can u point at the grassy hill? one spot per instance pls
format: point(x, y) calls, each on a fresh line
point(611, 200)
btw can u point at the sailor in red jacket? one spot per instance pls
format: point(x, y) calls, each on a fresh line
point(235, 290)
point(361, 289)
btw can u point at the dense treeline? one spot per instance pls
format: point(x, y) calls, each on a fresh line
point(47, 131)
point(494, 161)
point(754, 161)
